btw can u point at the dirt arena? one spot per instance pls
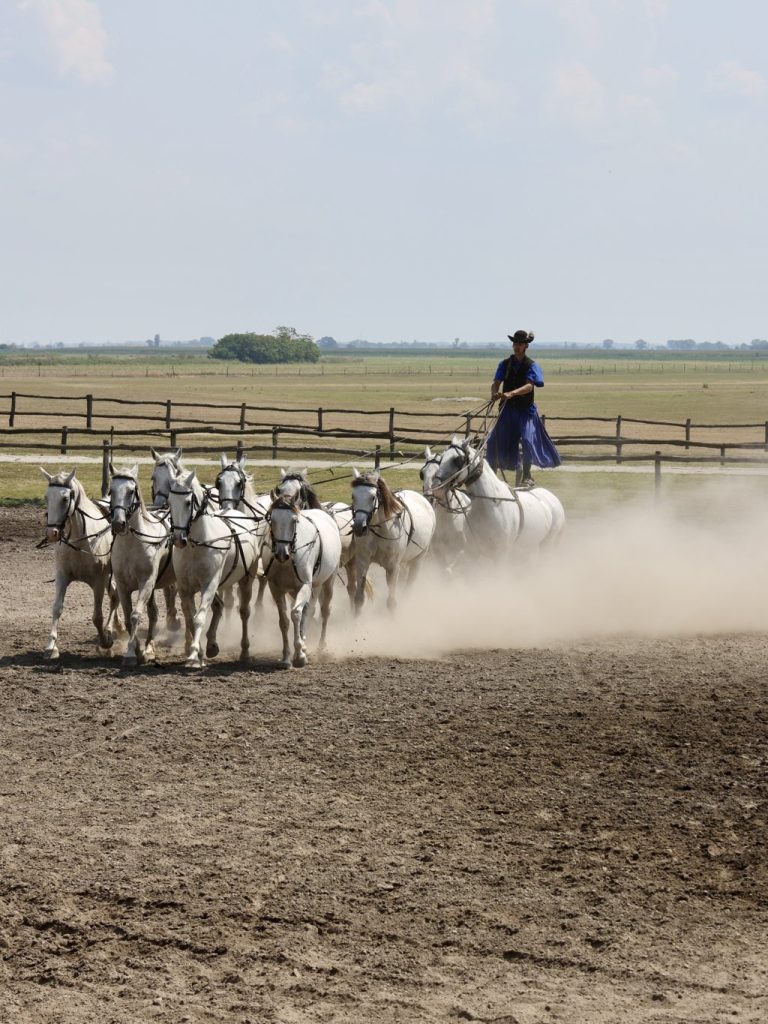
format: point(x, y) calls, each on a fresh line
point(571, 832)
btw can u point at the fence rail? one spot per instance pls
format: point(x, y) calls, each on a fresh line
point(398, 431)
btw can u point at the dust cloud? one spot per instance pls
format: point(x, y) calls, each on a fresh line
point(695, 566)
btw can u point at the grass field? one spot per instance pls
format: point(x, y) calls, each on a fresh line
point(718, 391)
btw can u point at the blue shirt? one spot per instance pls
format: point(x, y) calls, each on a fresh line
point(534, 375)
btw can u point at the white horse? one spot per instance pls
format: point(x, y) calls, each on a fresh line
point(450, 541)
point(500, 519)
point(295, 486)
point(211, 550)
point(235, 490)
point(81, 533)
point(391, 529)
point(141, 560)
point(167, 467)
point(300, 553)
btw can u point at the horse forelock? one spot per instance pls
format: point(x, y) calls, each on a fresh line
point(282, 501)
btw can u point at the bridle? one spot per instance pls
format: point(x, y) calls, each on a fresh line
point(196, 507)
point(130, 509)
point(473, 473)
point(283, 503)
point(242, 480)
point(73, 505)
point(368, 513)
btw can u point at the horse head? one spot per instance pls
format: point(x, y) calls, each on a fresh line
point(186, 500)
point(370, 494)
point(232, 481)
point(453, 467)
point(61, 499)
point(282, 520)
point(124, 496)
point(427, 473)
point(166, 469)
point(294, 484)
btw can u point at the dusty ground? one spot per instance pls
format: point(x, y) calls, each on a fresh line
point(515, 836)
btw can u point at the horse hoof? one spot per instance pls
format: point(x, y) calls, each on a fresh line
point(286, 663)
point(193, 665)
point(212, 650)
point(130, 661)
point(51, 654)
point(301, 661)
point(173, 625)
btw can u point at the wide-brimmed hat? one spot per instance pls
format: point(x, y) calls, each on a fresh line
point(525, 336)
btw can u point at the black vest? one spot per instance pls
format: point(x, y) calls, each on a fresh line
point(514, 377)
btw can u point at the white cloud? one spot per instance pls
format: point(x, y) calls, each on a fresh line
point(635, 105)
point(77, 34)
point(577, 95)
point(582, 18)
point(732, 77)
point(660, 76)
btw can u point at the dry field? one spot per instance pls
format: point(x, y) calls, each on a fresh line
point(564, 830)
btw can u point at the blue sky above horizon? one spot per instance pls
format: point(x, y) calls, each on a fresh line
point(384, 169)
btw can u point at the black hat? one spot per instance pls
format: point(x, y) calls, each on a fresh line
point(526, 336)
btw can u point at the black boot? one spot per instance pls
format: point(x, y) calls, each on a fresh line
point(518, 476)
point(527, 480)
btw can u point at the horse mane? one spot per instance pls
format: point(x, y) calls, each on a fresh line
point(307, 492)
point(388, 503)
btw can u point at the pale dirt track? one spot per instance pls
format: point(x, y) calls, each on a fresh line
point(544, 835)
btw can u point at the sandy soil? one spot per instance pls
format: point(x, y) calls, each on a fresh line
point(564, 834)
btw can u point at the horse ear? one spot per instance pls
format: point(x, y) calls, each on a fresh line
point(354, 472)
point(70, 478)
point(427, 452)
point(305, 472)
point(48, 476)
point(111, 468)
point(455, 439)
point(135, 471)
point(224, 461)
point(283, 474)
point(177, 455)
point(273, 495)
point(189, 478)
point(154, 453)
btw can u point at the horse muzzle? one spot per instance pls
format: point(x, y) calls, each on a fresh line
point(118, 527)
point(360, 524)
point(179, 539)
point(52, 534)
point(281, 551)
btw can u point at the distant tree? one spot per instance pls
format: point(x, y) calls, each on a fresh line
point(327, 342)
point(681, 344)
point(608, 343)
point(284, 346)
point(758, 343)
point(640, 344)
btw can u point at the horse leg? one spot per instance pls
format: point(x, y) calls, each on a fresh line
point(393, 575)
point(361, 567)
point(114, 625)
point(260, 591)
point(351, 583)
point(188, 608)
point(144, 596)
point(246, 593)
point(279, 598)
point(52, 651)
point(172, 623)
point(207, 598)
point(130, 658)
point(298, 614)
point(326, 596)
point(152, 616)
point(105, 635)
point(212, 646)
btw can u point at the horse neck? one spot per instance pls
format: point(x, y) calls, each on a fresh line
point(488, 484)
point(88, 523)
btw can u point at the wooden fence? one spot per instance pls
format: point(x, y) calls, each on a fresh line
point(204, 427)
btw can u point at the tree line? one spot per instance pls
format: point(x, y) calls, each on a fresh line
point(286, 345)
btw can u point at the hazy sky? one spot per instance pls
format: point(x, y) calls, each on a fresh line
point(384, 169)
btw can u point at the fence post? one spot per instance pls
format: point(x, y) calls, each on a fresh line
point(88, 412)
point(64, 432)
point(766, 435)
point(468, 424)
point(12, 415)
point(275, 432)
point(239, 450)
point(618, 439)
point(105, 459)
point(657, 475)
point(722, 454)
point(688, 433)
point(168, 406)
point(320, 421)
point(242, 416)
point(391, 435)
point(172, 439)
point(377, 457)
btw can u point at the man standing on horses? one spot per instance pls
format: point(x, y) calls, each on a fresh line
point(518, 424)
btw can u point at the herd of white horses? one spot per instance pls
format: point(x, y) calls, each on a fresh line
point(202, 543)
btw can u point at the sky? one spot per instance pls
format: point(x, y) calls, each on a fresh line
point(391, 170)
